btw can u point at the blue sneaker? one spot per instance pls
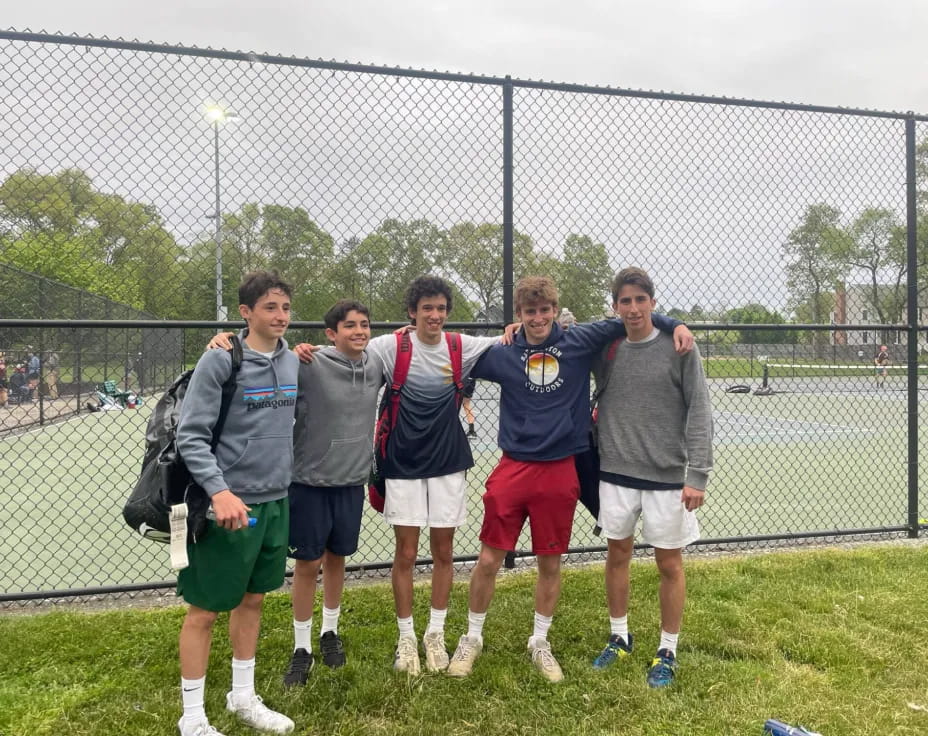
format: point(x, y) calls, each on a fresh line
point(663, 668)
point(616, 648)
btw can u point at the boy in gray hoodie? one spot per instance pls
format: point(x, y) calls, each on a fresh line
point(246, 477)
point(332, 441)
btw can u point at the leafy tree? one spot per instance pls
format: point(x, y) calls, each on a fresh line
point(876, 246)
point(584, 277)
point(757, 314)
point(378, 268)
point(473, 258)
point(266, 237)
point(814, 253)
point(59, 226)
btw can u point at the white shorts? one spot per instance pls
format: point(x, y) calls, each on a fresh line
point(665, 522)
point(436, 502)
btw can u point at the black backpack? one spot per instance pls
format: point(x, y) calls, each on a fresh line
point(164, 479)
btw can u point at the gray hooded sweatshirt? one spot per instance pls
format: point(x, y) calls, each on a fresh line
point(254, 457)
point(333, 437)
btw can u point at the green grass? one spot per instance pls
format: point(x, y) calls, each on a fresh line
point(833, 639)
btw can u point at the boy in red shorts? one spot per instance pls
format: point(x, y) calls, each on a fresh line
point(544, 378)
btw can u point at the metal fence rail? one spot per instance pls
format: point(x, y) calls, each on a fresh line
point(139, 182)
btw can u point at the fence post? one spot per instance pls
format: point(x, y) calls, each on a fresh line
point(508, 282)
point(912, 320)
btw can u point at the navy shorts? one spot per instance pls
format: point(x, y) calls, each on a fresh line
point(324, 518)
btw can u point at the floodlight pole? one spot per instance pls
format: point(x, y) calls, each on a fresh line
point(217, 213)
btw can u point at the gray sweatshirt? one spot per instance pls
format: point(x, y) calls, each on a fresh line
point(655, 419)
point(333, 437)
point(254, 457)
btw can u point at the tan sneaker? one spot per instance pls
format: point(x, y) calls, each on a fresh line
point(544, 661)
point(436, 656)
point(462, 661)
point(407, 656)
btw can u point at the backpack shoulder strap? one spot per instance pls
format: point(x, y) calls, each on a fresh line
point(455, 350)
point(608, 356)
point(403, 359)
point(228, 389)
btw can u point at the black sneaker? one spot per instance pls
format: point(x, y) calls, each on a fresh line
point(301, 664)
point(333, 653)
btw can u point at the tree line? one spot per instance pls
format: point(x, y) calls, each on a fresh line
point(61, 227)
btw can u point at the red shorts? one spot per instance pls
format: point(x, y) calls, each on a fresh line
point(546, 492)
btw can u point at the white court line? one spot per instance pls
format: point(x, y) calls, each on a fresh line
point(756, 418)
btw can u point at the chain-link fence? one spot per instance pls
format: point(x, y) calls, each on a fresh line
point(139, 183)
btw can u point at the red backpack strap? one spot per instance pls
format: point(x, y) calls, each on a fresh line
point(390, 405)
point(613, 346)
point(403, 359)
point(608, 357)
point(456, 350)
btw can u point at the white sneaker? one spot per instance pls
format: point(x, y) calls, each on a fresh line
point(200, 728)
point(462, 661)
point(544, 661)
point(256, 714)
point(407, 655)
point(436, 655)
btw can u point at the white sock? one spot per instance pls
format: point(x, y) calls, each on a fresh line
point(618, 626)
point(437, 620)
point(669, 641)
point(330, 619)
point(542, 624)
point(475, 625)
point(191, 692)
point(303, 634)
point(406, 627)
point(243, 678)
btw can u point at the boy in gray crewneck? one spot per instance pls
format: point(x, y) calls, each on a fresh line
point(655, 447)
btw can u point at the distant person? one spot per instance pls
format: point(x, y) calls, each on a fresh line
point(246, 476)
point(52, 362)
point(655, 449)
point(19, 385)
point(470, 384)
point(566, 318)
point(4, 381)
point(33, 370)
point(881, 361)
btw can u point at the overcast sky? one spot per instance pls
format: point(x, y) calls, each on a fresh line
point(856, 53)
point(704, 195)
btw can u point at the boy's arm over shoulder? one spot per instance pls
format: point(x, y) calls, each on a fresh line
point(698, 432)
point(489, 365)
point(473, 349)
point(596, 335)
point(198, 416)
point(683, 340)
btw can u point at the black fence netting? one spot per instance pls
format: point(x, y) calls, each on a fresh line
point(139, 183)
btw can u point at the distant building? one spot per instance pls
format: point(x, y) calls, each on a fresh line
point(854, 306)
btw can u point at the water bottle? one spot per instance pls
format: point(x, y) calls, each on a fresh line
point(774, 727)
point(211, 515)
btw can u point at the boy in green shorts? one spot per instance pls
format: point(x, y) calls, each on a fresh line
point(246, 476)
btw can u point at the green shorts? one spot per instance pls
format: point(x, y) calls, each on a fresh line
point(228, 564)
